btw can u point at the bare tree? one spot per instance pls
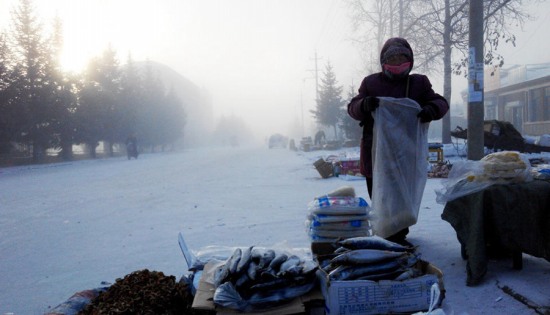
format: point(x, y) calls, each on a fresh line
point(375, 24)
point(438, 30)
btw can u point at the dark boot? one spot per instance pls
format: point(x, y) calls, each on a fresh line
point(400, 238)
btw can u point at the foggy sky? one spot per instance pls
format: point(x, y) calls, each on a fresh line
point(256, 58)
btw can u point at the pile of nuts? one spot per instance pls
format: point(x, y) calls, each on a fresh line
point(144, 292)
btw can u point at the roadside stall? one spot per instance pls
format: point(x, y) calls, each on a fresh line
point(499, 208)
point(364, 273)
point(347, 270)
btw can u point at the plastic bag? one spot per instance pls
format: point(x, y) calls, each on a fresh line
point(268, 278)
point(226, 295)
point(467, 177)
point(463, 180)
point(400, 160)
point(435, 294)
point(338, 205)
point(338, 214)
point(541, 172)
point(77, 302)
point(506, 167)
point(211, 252)
point(335, 227)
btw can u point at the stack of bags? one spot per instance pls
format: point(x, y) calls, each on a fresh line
point(506, 166)
point(467, 177)
point(338, 215)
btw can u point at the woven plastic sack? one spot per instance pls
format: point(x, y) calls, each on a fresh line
point(400, 157)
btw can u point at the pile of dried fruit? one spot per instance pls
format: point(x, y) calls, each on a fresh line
point(144, 292)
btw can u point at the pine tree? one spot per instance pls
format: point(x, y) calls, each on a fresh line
point(88, 113)
point(173, 119)
point(34, 108)
point(109, 77)
point(350, 126)
point(149, 118)
point(63, 95)
point(99, 111)
point(329, 108)
point(131, 97)
point(8, 119)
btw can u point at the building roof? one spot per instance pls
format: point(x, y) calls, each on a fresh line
point(522, 73)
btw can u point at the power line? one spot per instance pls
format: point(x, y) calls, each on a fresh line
point(316, 73)
point(533, 33)
point(330, 10)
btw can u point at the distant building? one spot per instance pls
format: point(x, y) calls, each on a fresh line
point(520, 95)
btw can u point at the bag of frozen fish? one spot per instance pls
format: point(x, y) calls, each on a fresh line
point(254, 278)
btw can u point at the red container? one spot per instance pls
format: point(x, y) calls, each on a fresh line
point(350, 167)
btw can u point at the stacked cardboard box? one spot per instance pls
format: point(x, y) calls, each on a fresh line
point(378, 297)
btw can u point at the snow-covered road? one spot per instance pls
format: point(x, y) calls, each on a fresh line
point(69, 226)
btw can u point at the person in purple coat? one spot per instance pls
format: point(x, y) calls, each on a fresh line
point(395, 80)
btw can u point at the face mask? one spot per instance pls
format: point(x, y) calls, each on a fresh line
point(397, 70)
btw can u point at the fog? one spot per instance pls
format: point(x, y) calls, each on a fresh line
point(254, 59)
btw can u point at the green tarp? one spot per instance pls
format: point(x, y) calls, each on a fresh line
point(511, 217)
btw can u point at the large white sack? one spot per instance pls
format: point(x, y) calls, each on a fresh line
point(400, 160)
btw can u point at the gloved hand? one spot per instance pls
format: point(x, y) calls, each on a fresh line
point(427, 114)
point(369, 104)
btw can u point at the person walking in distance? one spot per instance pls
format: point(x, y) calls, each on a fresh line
point(131, 147)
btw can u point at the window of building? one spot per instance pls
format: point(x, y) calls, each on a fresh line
point(490, 108)
point(534, 104)
point(513, 113)
point(546, 104)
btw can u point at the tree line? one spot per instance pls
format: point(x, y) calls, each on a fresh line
point(44, 107)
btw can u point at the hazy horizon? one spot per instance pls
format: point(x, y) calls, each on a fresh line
point(255, 59)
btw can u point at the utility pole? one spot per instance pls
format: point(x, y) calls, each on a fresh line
point(302, 109)
point(316, 77)
point(475, 82)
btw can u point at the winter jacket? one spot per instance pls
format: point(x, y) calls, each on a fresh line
point(379, 85)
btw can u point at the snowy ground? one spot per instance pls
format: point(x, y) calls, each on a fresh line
point(68, 227)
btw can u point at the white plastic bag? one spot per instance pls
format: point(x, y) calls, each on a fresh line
point(463, 179)
point(400, 159)
point(435, 294)
point(467, 177)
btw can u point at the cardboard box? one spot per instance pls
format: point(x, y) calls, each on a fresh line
point(378, 297)
point(205, 294)
point(324, 168)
